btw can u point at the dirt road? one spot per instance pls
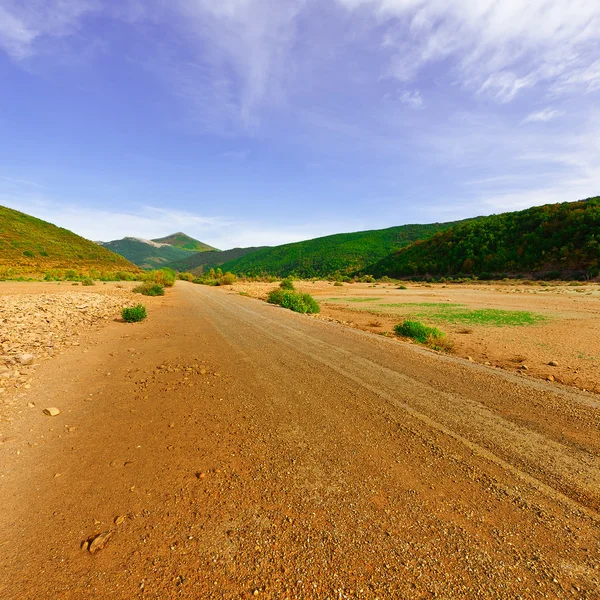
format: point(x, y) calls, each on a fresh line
point(254, 452)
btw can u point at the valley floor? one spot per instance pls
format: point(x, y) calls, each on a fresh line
point(568, 334)
point(234, 449)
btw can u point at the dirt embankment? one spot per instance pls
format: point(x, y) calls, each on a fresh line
point(38, 321)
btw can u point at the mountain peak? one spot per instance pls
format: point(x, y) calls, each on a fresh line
point(182, 240)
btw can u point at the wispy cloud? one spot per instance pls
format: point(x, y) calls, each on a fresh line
point(543, 116)
point(497, 48)
point(411, 98)
point(24, 26)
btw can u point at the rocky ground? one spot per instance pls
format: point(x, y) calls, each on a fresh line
point(39, 321)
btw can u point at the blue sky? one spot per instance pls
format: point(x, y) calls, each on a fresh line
point(247, 122)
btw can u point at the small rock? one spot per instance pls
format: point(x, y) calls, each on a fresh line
point(553, 363)
point(26, 359)
point(119, 520)
point(550, 378)
point(51, 412)
point(524, 368)
point(99, 542)
point(30, 405)
point(470, 359)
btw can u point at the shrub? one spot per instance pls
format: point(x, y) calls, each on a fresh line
point(88, 281)
point(150, 289)
point(165, 277)
point(228, 279)
point(296, 301)
point(134, 314)
point(287, 284)
point(70, 274)
point(430, 336)
point(186, 276)
point(275, 297)
point(338, 284)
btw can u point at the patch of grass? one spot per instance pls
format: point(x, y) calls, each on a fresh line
point(458, 314)
point(424, 334)
point(88, 281)
point(296, 301)
point(150, 289)
point(354, 300)
point(134, 314)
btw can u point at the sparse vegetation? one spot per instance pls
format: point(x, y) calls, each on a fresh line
point(134, 314)
point(150, 289)
point(88, 281)
point(32, 246)
point(296, 301)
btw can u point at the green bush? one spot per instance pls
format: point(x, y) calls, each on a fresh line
point(227, 279)
point(287, 284)
point(150, 289)
point(275, 297)
point(88, 281)
point(296, 301)
point(430, 336)
point(186, 276)
point(165, 277)
point(134, 314)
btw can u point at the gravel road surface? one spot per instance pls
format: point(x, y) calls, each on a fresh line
point(233, 449)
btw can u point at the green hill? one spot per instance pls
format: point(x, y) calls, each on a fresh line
point(343, 253)
point(560, 238)
point(181, 240)
point(29, 245)
point(200, 262)
point(147, 254)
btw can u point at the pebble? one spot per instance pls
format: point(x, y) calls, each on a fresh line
point(524, 368)
point(550, 378)
point(52, 412)
point(119, 520)
point(25, 359)
point(99, 542)
point(553, 363)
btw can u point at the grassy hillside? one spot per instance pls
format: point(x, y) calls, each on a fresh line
point(181, 240)
point(555, 238)
point(146, 255)
point(343, 253)
point(30, 245)
point(201, 262)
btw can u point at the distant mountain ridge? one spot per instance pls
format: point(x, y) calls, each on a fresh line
point(30, 245)
point(203, 261)
point(557, 239)
point(153, 254)
point(342, 253)
point(181, 240)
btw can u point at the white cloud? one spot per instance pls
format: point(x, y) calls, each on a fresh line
point(23, 25)
point(498, 48)
point(543, 116)
point(411, 98)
